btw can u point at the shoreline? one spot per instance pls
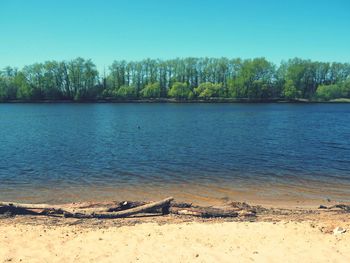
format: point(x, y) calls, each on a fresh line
point(295, 203)
point(180, 101)
point(287, 196)
point(274, 235)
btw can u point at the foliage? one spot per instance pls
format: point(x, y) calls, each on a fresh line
point(290, 91)
point(180, 90)
point(253, 80)
point(125, 91)
point(334, 91)
point(186, 78)
point(209, 90)
point(151, 90)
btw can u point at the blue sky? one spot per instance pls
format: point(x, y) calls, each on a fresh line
point(40, 30)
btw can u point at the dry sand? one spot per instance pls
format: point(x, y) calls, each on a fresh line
point(211, 241)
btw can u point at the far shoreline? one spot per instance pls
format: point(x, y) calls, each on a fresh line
point(182, 101)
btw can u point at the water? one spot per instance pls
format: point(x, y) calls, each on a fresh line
point(74, 152)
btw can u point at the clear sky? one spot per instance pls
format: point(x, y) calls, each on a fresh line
point(103, 30)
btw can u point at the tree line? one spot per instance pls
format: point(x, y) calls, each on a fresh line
point(183, 79)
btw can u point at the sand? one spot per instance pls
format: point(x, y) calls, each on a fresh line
point(281, 241)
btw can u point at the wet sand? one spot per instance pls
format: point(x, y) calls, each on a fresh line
point(302, 194)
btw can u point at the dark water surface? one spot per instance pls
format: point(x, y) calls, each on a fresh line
point(71, 152)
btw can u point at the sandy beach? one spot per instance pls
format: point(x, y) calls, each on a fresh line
point(293, 236)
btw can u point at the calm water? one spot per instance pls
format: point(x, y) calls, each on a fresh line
point(70, 152)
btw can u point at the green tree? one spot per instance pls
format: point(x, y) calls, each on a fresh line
point(257, 78)
point(24, 91)
point(126, 92)
point(290, 91)
point(333, 91)
point(152, 90)
point(307, 75)
point(8, 87)
point(3, 91)
point(83, 77)
point(180, 90)
point(254, 79)
point(328, 92)
point(209, 90)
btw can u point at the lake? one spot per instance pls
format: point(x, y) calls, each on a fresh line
point(76, 152)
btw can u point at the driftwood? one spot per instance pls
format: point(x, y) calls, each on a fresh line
point(124, 209)
point(22, 208)
point(28, 206)
point(344, 207)
point(128, 208)
point(164, 205)
point(230, 209)
point(204, 212)
point(125, 205)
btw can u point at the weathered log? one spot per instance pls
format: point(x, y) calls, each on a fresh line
point(163, 204)
point(13, 210)
point(69, 208)
point(204, 212)
point(344, 207)
point(45, 208)
point(28, 206)
point(29, 209)
point(80, 211)
point(181, 205)
point(125, 209)
point(124, 205)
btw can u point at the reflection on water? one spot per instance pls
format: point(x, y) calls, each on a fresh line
point(71, 152)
